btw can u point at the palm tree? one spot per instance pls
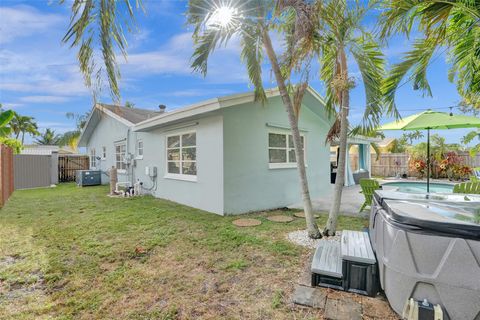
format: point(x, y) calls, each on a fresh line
point(342, 37)
point(48, 137)
point(102, 22)
point(453, 25)
point(216, 22)
point(70, 138)
point(23, 124)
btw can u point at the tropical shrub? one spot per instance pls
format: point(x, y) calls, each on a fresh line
point(418, 165)
point(15, 144)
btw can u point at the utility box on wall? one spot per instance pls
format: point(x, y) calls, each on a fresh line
point(88, 178)
point(151, 171)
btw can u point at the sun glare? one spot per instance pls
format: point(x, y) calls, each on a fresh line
point(223, 17)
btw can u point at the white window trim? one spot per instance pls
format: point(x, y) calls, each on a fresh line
point(179, 176)
point(104, 153)
point(139, 157)
point(286, 165)
point(119, 143)
point(183, 177)
point(93, 153)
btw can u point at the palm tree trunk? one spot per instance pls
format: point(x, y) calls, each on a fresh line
point(23, 136)
point(331, 226)
point(312, 227)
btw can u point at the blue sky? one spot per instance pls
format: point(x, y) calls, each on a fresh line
point(39, 75)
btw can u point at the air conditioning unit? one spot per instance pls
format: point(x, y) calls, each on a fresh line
point(88, 178)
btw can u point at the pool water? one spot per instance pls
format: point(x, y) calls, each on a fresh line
point(420, 187)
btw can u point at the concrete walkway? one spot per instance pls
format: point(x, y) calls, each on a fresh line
point(352, 200)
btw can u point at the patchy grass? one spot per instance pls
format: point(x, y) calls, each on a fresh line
point(71, 252)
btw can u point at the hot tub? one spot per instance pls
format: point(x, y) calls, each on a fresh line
point(428, 249)
point(416, 187)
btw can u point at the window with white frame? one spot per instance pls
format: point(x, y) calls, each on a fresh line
point(93, 159)
point(140, 149)
point(281, 151)
point(120, 152)
point(182, 154)
point(104, 152)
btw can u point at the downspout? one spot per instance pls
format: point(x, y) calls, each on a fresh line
point(127, 155)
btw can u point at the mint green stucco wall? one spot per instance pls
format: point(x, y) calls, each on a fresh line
point(106, 133)
point(232, 157)
point(206, 193)
point(249, 184)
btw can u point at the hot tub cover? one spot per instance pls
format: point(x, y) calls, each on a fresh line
point(443, 214)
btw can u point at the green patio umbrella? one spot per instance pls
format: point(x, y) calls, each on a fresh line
point(428, 120)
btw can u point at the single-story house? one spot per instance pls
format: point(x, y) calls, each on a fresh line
point(226, 155)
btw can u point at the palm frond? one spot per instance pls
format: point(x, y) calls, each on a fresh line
point(415, 61)
point(252, 56)
point(100, 22)
point(370, 60)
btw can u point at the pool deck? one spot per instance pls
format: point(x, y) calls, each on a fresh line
point(352, 199)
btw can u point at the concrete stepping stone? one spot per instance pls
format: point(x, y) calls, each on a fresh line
point(247, 222)
point(280, 218)
point(310, 297)
point(343, 310)
point(301, 214)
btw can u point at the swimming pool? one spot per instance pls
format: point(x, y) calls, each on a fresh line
point(418, 187)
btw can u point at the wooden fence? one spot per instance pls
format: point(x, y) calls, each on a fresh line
point(6, 173)
point(68, 165)
point(389, 164)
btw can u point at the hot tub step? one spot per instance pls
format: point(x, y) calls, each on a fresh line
point(356, 247)
point(359, 263)
point(327, 265)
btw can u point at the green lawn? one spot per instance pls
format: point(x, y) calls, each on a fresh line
point(70, 252)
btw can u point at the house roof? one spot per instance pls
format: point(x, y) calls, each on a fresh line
point(45, 149)
point(207, 106)
point(127, 116)
point(133, 115)
point(385, 142)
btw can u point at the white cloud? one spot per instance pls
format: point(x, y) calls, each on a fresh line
point(44, 99)
point(58, 127)
point(174, 58)
point(21, 21)
point(8, 105)
point(44, 72)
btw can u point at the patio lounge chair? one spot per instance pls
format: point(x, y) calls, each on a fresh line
point(467, 187)
point(368, 187)
point(476, 175)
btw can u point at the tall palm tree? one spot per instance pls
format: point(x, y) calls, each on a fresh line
point(48, 137)
point(453, 25)
point(22, 125)
point(217, 21)
point(343, 38)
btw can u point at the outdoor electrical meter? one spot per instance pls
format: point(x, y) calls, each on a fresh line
point(151, 171)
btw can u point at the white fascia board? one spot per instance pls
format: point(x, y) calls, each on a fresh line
point(82, 143)
point(183, 113)
point(208, 106)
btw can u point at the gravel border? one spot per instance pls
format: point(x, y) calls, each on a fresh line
point(300, 237)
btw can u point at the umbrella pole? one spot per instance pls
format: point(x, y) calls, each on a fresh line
point(428, 160)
